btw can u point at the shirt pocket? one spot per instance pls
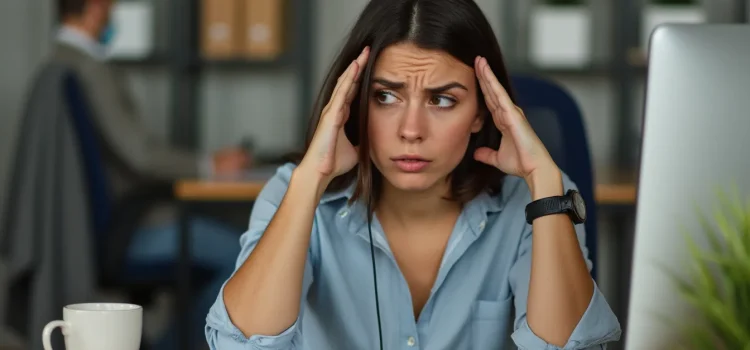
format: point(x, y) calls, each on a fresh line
point(491, 324)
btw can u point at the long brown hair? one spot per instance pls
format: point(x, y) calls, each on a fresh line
point(457, 27)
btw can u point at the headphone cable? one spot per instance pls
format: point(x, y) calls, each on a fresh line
point(374, 275)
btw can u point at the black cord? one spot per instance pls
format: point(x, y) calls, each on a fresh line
point(374, 275)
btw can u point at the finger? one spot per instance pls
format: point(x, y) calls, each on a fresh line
point(335, 91)
point(490, 96)
point(340, 82)
point(362, 62)
point(497, 89)
point(347, 80)
point(352, 93)
point(485, 90)
point(486, 155)
point(345, 110)
point(338, 101)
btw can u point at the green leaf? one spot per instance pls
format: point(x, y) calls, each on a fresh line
point(716, 283)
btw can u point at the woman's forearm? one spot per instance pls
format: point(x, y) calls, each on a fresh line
point(263, 296)
point(561, 287)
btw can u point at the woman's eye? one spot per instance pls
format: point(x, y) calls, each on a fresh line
point(442, 101)
point(385, 97)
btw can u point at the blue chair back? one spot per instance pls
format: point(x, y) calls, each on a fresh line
point(555, 117)
point(100, 195)
point(103, 204)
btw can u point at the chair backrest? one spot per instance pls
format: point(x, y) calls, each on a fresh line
point(100, 194)
point(555, 117)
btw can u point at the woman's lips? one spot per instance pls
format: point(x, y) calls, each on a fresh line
point(410, 164)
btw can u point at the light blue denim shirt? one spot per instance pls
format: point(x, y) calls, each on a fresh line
point(477, 302)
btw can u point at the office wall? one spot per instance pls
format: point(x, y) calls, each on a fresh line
point(23, 33)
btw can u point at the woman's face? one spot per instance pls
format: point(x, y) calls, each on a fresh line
point(422, 111)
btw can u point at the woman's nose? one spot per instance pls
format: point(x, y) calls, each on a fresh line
point(412, 125)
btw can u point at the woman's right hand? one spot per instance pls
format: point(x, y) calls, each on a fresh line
point(330, 153)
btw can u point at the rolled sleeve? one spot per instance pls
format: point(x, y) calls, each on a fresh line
point(220, 331)
point(597, 327)
point(222, 334)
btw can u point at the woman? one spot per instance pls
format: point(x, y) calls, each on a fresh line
point(419, 131)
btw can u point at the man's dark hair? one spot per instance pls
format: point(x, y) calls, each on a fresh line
point(69, 7)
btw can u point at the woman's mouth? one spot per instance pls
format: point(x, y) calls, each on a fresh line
point(410, 163)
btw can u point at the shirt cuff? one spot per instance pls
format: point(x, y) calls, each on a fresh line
point(598, 326)
point(221, 333)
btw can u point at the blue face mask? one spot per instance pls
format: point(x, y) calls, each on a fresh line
point(107, 34)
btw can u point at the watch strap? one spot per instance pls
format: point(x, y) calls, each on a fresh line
point(543, 207)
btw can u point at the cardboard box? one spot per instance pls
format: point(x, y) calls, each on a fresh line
point(221, 28)
point(264, 23)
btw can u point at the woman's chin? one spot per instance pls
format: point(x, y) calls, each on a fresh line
point(411, 182)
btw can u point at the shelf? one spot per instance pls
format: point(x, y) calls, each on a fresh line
point(285, 59)
point(154, 60)
point(594, 70)
point(241, 63)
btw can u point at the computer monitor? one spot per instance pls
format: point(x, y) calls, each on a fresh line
point(696, 140)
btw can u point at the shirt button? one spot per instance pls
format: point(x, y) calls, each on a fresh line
point(344, 213)
point(411, 341)
point(481, 225)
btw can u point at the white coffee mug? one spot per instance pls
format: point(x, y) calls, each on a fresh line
point(97, 326)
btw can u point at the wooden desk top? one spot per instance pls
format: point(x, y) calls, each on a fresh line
point(205, 190)
point(616, 193)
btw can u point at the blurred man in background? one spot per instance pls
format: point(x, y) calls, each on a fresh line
point(133, 155)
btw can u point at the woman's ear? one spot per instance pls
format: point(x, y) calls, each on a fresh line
point(478, 122)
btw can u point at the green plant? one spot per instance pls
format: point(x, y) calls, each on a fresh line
point(717, 285)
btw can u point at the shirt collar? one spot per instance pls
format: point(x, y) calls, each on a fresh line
point(476, 210)
point(79, 40)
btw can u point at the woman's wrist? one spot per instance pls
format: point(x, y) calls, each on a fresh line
point(310, 179)
point(545, 182)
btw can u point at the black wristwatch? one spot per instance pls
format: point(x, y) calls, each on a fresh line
point(571, 203)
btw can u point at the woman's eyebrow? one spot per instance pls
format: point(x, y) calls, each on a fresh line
point(446, 87)
point(395, 85)
point(389, 84)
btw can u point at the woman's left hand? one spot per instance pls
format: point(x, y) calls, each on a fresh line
point(521, 152)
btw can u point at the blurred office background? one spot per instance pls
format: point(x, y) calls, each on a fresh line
point(207, 94)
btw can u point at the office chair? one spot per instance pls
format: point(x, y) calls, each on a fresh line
point(555, 117)
point(115, 221)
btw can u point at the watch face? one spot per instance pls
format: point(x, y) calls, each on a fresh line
point(579, 205)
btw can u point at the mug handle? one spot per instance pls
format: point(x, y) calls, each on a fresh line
point(47, 332)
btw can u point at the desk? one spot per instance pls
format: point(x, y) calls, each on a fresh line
point(192, 191)
point(189, 193)
point(205, 191)
point(615, 194)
